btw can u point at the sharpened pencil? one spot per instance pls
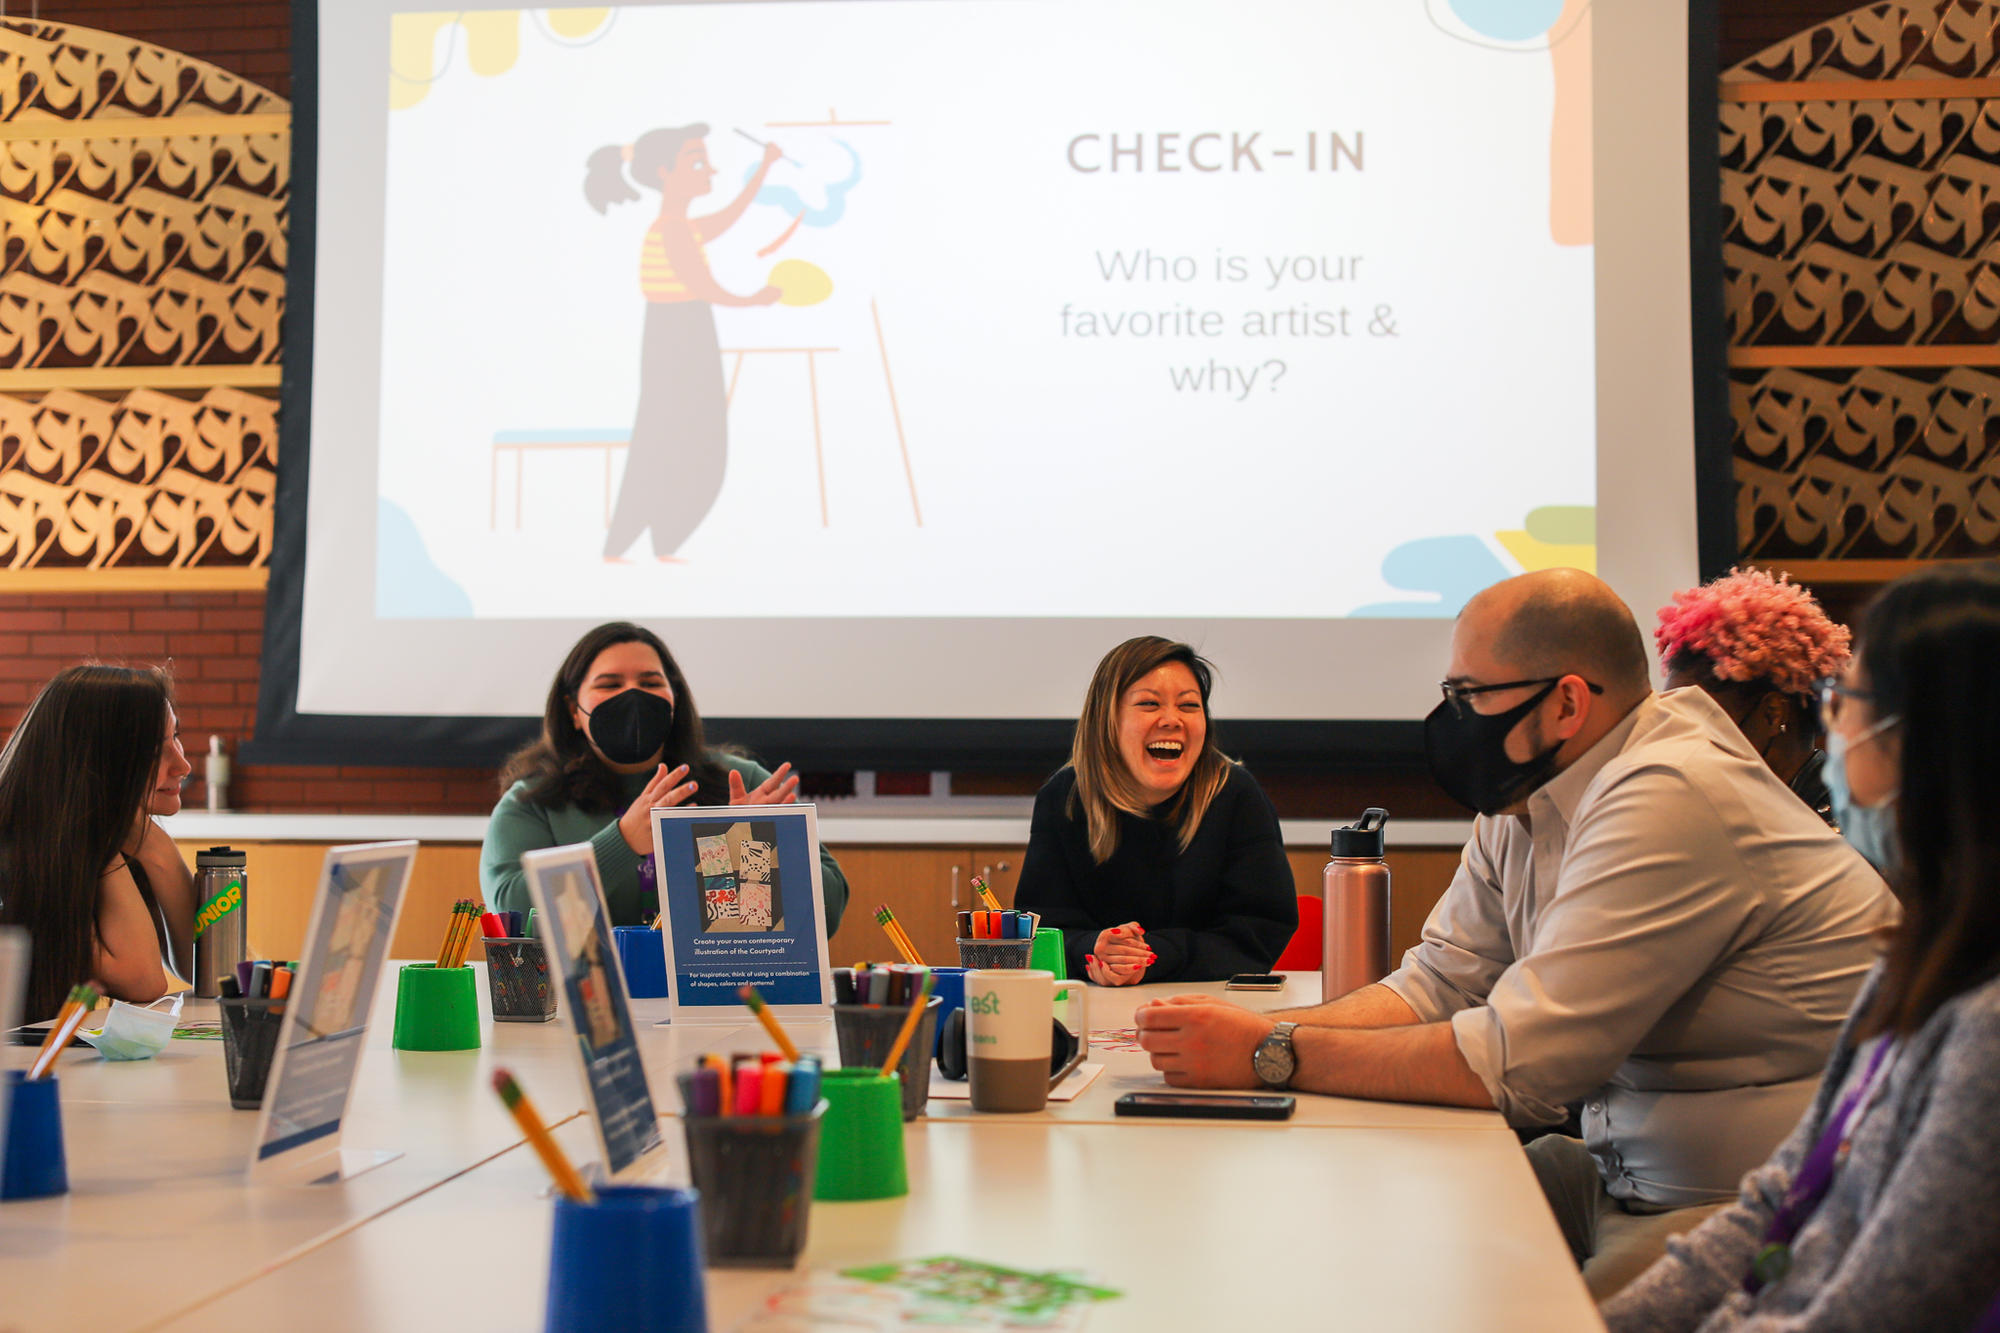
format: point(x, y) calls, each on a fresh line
point(567, 1180)
point(910, 1020)
point(770, 1022)
point(82, 999)
point(897, 935)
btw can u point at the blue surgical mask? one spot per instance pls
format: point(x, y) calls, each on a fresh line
point(1869, 829)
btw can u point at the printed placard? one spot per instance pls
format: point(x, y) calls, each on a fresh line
point(575, 927)
point(325, 1023)
point(740, 898)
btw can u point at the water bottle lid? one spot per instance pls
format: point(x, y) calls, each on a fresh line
point(220, 856)
point(1364, 837)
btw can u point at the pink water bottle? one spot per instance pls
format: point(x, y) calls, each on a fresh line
point(1356, 889)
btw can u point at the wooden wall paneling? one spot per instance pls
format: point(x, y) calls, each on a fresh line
point(916, 883)
point(1418, 877)
point(284, 875)
point(1002, 868)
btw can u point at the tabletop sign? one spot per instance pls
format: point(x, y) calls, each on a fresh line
point(13, 979)
point(575, 927)
point(740, 895)
point(325, 1023)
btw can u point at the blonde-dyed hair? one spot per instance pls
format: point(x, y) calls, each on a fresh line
point(1104, 786)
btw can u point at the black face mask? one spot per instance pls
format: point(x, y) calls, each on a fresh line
point(1468, 755)
point(631, 727)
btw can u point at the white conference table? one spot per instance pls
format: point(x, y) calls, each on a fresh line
point(1382, 1216)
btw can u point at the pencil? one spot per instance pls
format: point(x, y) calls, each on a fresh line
point(82, 999)
point(985, 894)
point(909, 1028)
point(450, 929)
point(764, 1016)
point(897, 935)
point(909, 945)
point(474, 909)
point(566, 1178)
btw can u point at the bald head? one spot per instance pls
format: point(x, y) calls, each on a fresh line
point(1558, 621)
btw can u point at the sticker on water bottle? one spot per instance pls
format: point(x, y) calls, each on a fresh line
point(221, 905)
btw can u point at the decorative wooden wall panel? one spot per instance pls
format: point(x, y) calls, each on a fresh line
point(1861, 188)
point(143, 211)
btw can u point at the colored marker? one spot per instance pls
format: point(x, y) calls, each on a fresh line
point(772, 1100)
point(724, 1104)
point(802, 1088)
point(749, 1089)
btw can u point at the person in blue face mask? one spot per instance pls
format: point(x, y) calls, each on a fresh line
point(1877, 1211)
point(621, 735)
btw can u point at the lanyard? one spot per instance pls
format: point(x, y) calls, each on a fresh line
point(1810, 1185)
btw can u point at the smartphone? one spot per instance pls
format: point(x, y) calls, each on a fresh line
point(1196, 1107)
point(1256, 981)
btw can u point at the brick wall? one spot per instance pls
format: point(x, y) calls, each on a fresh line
point(214, 638)
point(251, 39)
point(211, 642)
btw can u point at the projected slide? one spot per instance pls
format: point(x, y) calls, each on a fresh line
point(982, 310)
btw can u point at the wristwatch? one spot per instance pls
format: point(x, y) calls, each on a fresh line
point(1274, 1060)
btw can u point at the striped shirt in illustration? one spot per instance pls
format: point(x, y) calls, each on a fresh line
point(658, 282)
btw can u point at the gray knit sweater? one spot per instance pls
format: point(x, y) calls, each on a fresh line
point(1908, 1237)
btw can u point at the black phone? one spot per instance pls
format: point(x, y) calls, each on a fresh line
point(1256, 981)
point(1194, 1106)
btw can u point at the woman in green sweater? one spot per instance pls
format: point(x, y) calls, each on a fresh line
point(621, 735)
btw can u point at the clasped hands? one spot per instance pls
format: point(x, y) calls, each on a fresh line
point(1202, 1041)
point(1120, 956)
point(669, 787)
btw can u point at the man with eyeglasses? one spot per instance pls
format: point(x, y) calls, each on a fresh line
point(1645, 920)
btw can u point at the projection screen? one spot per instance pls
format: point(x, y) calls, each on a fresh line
point(895, 358)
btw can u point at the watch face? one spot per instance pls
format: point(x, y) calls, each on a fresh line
point(1273, 1061)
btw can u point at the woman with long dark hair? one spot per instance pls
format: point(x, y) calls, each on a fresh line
point(1877, 1212)
point(621, 735)
point(1157, 855)
point(100, 888)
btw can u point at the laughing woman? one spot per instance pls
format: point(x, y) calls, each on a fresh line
point(1158, 856)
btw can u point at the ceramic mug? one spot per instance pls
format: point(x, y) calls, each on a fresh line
point(1009, 1038)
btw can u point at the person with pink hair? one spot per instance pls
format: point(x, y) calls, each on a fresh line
point(1757, 645)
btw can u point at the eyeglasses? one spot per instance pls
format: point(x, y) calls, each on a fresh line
point(1830, 692)
point(1460, 696)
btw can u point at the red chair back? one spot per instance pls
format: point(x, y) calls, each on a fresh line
point(1307, 950)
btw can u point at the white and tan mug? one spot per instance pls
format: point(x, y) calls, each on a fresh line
point(1009, 1036)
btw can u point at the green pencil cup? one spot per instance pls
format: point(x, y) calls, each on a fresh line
point(1047, 953)
point(861, 1137)
point(437, 1009)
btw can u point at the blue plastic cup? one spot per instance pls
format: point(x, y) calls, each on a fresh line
point(35, 1167)
point(631, 1261)
point(644, 956)
point(949, 987)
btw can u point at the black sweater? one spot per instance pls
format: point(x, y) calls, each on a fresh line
point(1225, 905)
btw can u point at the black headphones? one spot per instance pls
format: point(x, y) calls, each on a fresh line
point(951, 1050)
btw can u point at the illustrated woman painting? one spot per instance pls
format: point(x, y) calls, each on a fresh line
point(680, 433)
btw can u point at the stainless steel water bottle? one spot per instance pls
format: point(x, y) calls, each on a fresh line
point(221, 937)
point(1356, 888)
